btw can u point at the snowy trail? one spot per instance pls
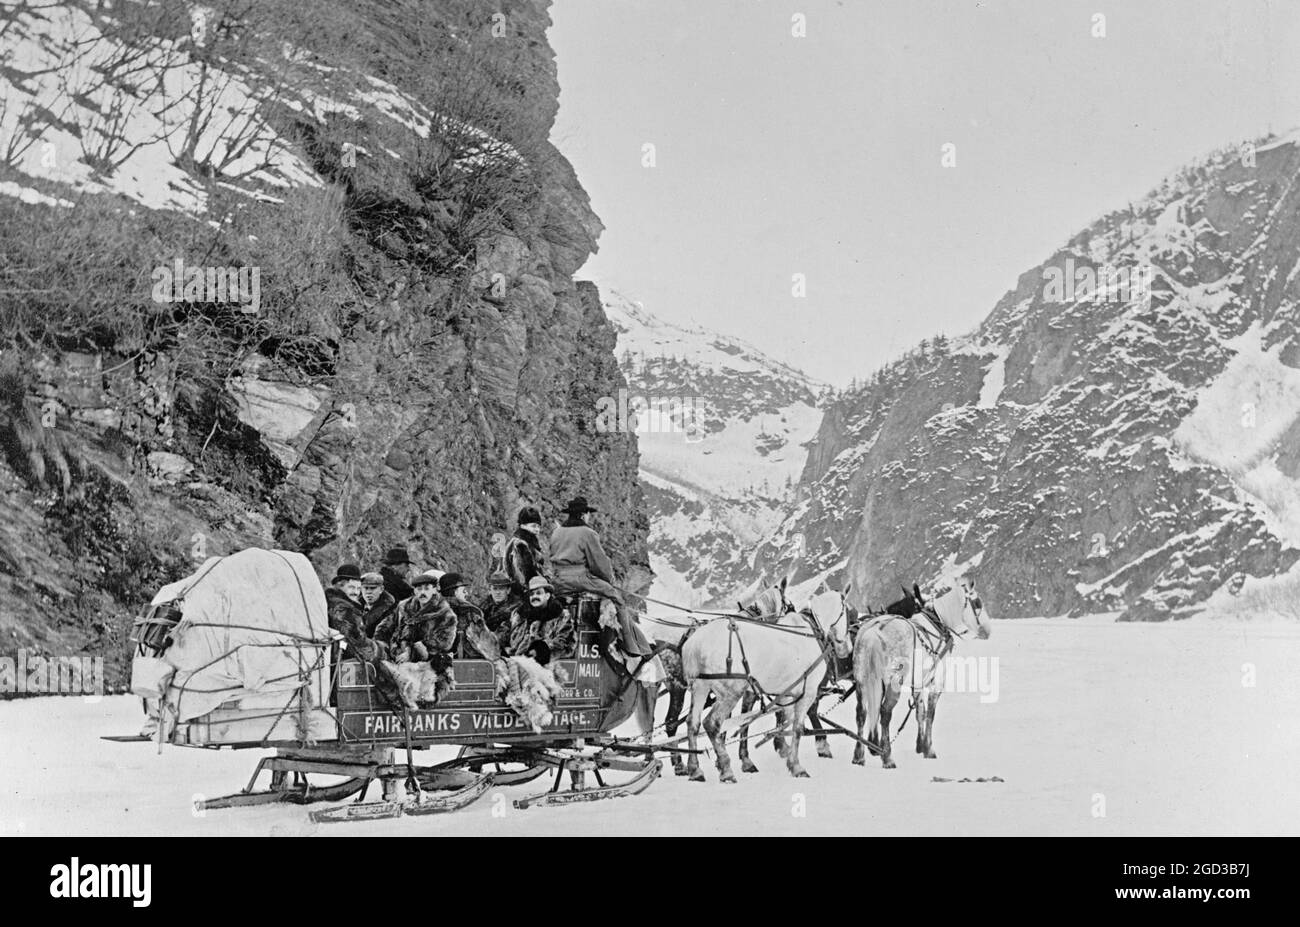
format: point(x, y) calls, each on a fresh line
point(1153, 717)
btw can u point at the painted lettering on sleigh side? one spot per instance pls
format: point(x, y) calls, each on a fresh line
point(384, 725)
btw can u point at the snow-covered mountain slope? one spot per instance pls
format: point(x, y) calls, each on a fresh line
point(721, 444)
point(1132, 451)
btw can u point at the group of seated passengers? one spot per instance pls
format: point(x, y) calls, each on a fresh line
point(439, 623)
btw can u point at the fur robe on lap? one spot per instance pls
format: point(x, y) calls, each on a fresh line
point(529, 688)
point(418, 684)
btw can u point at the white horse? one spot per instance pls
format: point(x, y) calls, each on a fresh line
point(892, 652)
point(784, 659)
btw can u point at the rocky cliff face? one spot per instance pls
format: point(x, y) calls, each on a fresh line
point(1133, 451)
point(422, 362)
point(722, 440)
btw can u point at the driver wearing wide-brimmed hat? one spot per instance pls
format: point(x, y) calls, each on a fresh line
point(581, 565)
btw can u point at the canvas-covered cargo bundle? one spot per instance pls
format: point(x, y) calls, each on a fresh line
point(238, 652)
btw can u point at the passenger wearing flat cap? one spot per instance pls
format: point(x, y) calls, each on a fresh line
point(473, 639)
point(376, 602)
point(423, 627)
point(396, 568)
point(581, 565)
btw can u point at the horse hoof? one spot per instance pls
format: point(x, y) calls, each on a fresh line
point(749, 767)
point(859, 761)
point(825, 754)
point(728, 777)
point(698, 776)
point(801, 774)
point(679, 771)
point(889, 764)
point(931, 755)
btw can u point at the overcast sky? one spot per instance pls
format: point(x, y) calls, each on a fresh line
point(821, 155)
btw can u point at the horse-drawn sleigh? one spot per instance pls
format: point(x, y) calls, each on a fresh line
point(240, 655)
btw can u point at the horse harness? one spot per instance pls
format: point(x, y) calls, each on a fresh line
point(734, 639)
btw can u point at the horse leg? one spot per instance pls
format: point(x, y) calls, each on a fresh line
point(746, 704)
point(932, 705)
point(699, 691)
point(887, 703)
point(713, 727)
point(823, 745)
point(796, 714)
point(672, 720)
point(863, 711)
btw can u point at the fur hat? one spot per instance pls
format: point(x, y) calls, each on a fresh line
point(347, 571)
point(529, 516)
point(372, 579)
point(499, 579)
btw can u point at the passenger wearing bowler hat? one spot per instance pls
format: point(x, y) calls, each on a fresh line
point(581, 565)
point(344, 611)
point(396, 567)
point(473, 639)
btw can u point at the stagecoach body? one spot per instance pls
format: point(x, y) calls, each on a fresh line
point(290, 685)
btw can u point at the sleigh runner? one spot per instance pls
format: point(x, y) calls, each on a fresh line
point(240, 655)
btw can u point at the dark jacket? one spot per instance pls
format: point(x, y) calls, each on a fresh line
point(523, 561)
point(384, 606)
point(420, 630)
point(469, 628)
point(496, 615)
point(345, 616)
point(394, 585)
point(551, 623)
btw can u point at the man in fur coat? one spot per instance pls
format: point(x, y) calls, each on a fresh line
point(377, 603)
point(423, 627)
point(472, 634)
point(500, 603)
point(342, 600)
point(544, 619)
point(523, 558)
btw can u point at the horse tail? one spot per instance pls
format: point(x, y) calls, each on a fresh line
point(869, 673)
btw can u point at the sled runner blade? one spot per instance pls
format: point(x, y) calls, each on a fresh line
point(452, 801)
point(635, 786)
point(429, 803)
point(366, 811)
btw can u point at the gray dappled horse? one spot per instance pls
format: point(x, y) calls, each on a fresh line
point(892, 652)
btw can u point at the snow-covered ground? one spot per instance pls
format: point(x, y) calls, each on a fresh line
point(1097, 728)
